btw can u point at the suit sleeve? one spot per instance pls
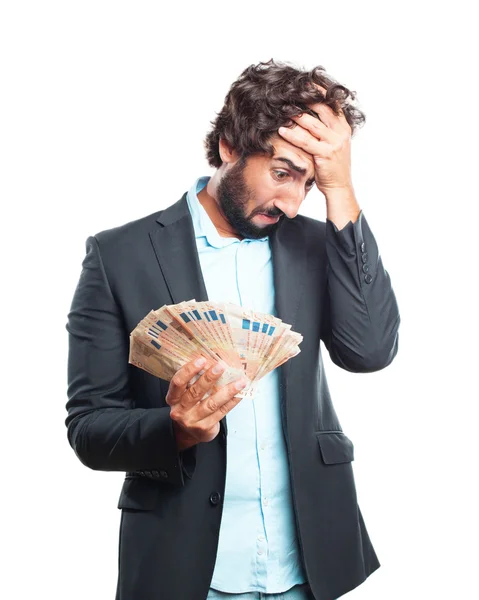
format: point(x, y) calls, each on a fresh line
point(361, 320)
point(104, 428)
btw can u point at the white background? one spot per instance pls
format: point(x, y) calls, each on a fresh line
point(104, 107)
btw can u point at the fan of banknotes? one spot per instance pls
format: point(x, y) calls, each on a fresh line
point(247, 343)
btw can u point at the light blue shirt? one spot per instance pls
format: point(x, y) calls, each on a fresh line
point(258, 546)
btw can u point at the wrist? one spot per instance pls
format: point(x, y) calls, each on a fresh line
point(342, 206)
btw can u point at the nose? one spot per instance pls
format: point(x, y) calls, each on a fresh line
point(290, 204)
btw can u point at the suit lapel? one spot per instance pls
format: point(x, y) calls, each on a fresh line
point(289, 257)
point(175, 248)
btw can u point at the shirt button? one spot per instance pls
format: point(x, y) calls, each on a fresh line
point(260, 552)
point(266, 501)
point(260, 538)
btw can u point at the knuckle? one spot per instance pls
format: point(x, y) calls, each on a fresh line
point(211, 404)
point(189, 427)
point(224, 408)
point(188, 424)
point(175, 415)
point(194, 393)
point(209, 377)
point(202, 429)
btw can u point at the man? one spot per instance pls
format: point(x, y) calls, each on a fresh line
point(230, 498)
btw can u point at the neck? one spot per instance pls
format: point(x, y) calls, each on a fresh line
point(207, 198)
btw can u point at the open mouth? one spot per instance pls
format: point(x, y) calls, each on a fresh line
point(268, 219)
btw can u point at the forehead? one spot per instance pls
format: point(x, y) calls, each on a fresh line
point(297, 155)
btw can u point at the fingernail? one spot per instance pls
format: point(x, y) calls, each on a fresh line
point(218, 368)
point(199, 362)
point(240, 384)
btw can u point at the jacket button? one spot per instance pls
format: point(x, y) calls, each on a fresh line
point(215, 498)
point(368, 278)
point(363, 246)
point(364, 257)
point(164, 474)
point(365, 268)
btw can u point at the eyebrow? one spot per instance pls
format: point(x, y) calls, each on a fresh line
point(293, 166)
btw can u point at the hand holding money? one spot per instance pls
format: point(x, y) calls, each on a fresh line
point(194, 420)
point(246, 342)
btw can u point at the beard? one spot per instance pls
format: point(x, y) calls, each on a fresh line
point(233, 195)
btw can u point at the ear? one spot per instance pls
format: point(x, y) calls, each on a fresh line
point(227, 152)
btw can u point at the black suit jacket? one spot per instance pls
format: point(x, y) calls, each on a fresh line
point(330, 285)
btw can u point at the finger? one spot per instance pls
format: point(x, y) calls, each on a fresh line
point(202, 385)
point(181, 378)
point(327, 114)
point(300, 137)
point(216, 406)
point(318, 129)
point(336, 122)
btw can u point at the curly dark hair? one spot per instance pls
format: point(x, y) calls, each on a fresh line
point(264, 97)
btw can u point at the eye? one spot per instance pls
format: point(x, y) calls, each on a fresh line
point(309, 184)
point(279, 173)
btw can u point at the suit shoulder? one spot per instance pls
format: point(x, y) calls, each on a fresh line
point(127, 231)
point(311, 226)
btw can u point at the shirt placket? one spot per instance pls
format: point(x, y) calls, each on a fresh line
point(265, 516)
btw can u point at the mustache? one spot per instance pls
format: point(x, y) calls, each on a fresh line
point(271, 214)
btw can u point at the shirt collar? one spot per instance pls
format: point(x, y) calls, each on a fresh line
point(202, 223)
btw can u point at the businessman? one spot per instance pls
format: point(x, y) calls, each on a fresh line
point(230, 498)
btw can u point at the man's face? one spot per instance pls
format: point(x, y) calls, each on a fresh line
point(265, 186)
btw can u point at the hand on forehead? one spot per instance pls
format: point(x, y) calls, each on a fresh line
point(301, 152)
